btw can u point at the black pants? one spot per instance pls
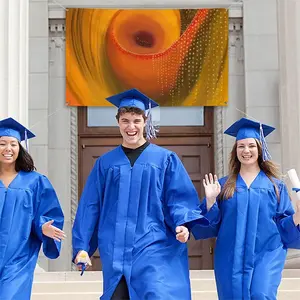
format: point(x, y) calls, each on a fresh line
point(121, 291)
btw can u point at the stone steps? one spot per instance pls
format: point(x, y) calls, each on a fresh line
point(197, 285)
point(70, 285)
point(282, 295)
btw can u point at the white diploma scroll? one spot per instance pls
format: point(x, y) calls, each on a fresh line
point(295, 181)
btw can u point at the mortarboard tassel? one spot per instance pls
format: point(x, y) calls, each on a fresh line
point(151, 129)
point(265, 152)
point(26, 141)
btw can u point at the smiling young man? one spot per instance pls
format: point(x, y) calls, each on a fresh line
point(136, 207)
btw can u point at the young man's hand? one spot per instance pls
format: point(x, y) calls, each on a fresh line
point(182, 234)
point(83, 257)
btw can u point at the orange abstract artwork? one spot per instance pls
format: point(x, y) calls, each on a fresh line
point(177, 57)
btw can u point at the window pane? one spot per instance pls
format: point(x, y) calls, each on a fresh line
point(166, 116)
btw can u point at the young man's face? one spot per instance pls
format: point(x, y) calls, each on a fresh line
point(132, 129)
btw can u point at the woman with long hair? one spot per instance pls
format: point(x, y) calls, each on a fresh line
point(251, 215)
point(30, 214)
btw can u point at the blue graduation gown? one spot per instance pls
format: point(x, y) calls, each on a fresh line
point(25, 206)
point(253, 233)
point(131, 213)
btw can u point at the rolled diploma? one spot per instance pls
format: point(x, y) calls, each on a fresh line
point(295, 180)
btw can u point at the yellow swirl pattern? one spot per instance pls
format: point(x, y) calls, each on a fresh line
point(177, 57)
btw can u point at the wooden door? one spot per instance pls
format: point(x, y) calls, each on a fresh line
point(192, 144)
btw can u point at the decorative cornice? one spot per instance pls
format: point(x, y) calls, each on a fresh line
point(57, 25)
point(74, 163)
point(74, 166)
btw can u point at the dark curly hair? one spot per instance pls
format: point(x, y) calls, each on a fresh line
point(130, 109)
point(24, 162)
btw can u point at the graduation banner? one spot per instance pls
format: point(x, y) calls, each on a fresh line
point(178, 57)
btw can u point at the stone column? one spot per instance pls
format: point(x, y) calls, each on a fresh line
point(289, 86)
point(14, 57)
point(14, 60)
point(262, 69)
point(3, 58)
point(289, 90)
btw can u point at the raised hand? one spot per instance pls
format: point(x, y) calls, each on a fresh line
point(212, 189)
point(53, 232)
point(182, 234)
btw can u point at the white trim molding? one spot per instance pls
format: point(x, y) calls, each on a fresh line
point(58, 8)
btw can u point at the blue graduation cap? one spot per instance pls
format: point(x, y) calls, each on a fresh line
point(245, 128)
point(12, 128)
point(134, 98)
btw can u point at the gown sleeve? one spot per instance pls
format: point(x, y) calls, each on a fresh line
point(290, 233)
point(48, 208)
point(213, 216)
point(180, 196)
point(85, 228)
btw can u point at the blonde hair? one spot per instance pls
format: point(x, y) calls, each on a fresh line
point(268, 167)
